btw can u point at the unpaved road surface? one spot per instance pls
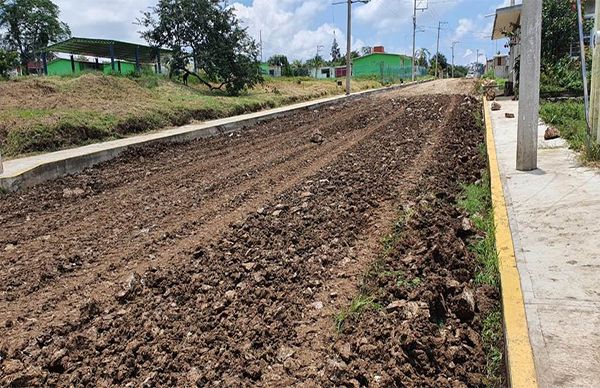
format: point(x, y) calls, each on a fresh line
point(224, 261)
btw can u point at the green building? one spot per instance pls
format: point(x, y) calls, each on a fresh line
point(61, 66)
point(387, 67)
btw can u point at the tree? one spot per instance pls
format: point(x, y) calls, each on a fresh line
point(336, 55)
point(460, 71)
point(422, 57)
point(281, 61)
point(366, 50)
point(299, 69)
point(205, 33)
point(8, 61)
point(441, 61)
point(559, 29)
point(30, 25)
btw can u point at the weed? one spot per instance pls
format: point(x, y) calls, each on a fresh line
point(569, 118)
point(476, 201)
point(492, 339)
point(359, 304)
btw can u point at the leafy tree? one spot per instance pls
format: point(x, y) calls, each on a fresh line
point(366, 50)
point(30, 25)
point(205, 33)
point(441, 61)
point(336, 55)
point(460, 71)
point(278, 60)
point(559, 29)
point(8, 61)
point(354, 54)
point(281, 61)
point(299, 69)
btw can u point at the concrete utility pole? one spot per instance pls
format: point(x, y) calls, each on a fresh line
point(415, 9)
point(586, 100)
point(453, 44)
point(529, 85)
point(437, 50)
point(349, 41)
point(595, 88)
point(319, 47)
point(349, 48)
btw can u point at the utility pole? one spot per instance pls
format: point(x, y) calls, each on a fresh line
point(437, 50)
point(319, 47)
point(415, 9)
point(261, 48)
point(529, 88)
point(349, 49)
point(453, 44)
point(586, 100)
point(349, 41)
point(595, 88)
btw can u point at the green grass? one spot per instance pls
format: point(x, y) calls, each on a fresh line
point(569, 117)
point(41, 114)
point(492, 336)
point(476, 202)
point(359, 305)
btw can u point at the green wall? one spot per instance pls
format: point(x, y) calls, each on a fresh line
point(387, 67)
point(62, 66)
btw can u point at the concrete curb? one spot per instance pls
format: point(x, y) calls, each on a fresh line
point(65, 162)
point(519, 354)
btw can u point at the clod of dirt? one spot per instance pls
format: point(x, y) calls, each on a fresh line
point(317, 137)
point(496, 106)
point(465, 306)
point(509, 115)
point(551, 133)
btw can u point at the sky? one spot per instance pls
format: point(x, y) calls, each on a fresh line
point(297, 28)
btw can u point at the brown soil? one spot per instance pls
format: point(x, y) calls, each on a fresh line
point(223, 261)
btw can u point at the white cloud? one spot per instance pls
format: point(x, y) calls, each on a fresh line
point(284, 26)
point(112, 19)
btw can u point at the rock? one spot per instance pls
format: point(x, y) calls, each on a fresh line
point(284, 353)
point(229, 295)
point(261, 210)
point(248, 266)
point(76, 192)
point(305, 194)
point(317, 305)
point(276, 213)
point(509, 115)
point(396, 305)
point(344, 350)
point(317, 137)
point(465, 305)
point(11, 366)
point(10, 247)
point(130, 288)
point(551, 133)
point(496, 106)
point(467, 225)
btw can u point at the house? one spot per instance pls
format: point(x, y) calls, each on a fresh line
point(506, 26)
point(270, 70)
point(325, 72)
point(499, 64)
point(61, 66)
point(385, 66)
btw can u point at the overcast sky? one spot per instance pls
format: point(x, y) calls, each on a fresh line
point(296, 27)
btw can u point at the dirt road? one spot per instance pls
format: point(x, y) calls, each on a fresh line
point(225, 260)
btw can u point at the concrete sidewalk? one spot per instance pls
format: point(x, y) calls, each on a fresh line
point(554, 215)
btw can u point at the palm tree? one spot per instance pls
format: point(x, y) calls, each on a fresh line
point(422, 57)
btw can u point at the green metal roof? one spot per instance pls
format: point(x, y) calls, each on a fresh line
point(101, 48)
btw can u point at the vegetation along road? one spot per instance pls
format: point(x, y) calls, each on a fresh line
point(329, 247)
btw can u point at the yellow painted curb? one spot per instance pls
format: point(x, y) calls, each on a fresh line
point(519, 355)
